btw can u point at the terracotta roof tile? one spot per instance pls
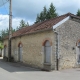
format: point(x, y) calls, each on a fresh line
point(47, 24)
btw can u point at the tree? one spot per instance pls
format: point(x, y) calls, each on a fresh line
point(37, 19)
point(22, 24)
point(1, 47)
point(46, 14)
point(3, 33)
point(78, 12)
point(51, 12)
point(1, 39)
point(17, 28)
point(42, 16)
point(13, 30)
point(6, 31)
point(27, 24)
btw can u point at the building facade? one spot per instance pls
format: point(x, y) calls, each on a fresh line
point(52, 44)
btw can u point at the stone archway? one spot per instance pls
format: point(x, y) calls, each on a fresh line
point(5, 47)
point(47, 52)
point(20, 52)
point(78, 51)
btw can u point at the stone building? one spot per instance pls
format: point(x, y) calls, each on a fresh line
point(51, 44)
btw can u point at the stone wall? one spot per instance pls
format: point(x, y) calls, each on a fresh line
point(69, 34)
point(33, 51)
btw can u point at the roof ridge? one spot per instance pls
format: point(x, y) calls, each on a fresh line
point(47, 24)
point(67, 14)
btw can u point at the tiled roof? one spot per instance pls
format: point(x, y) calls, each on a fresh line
point(47, 24)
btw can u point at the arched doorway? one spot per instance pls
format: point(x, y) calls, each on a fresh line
point(78, 52)
point(20, 52)
point(4, 55)
point(47, 52)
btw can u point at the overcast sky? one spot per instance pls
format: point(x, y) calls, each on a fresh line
point(28, 9)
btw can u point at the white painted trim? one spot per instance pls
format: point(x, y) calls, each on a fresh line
point(61, 22)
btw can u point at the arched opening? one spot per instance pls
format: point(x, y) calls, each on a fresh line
point(78, 52)
point(20, 52)
point(4, 55)
point(47, 52)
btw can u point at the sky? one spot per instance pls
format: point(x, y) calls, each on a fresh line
point(28, 10)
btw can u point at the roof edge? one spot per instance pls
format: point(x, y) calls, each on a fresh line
point(61, 22)
point(33, 32)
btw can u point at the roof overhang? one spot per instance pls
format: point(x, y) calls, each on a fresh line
point(61, 22)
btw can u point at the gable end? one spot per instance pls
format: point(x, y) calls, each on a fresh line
point(61, 22)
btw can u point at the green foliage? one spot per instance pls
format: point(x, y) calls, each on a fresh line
point(1, 45)
point(4, 33)
point(37, 19)
point(46, 14)
point(78, 12)
point(43, 14)
point(27, 24)
point(51, 12)
point(22, 24)
point(17, 28)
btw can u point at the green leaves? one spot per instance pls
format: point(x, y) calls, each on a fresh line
point(1, 46)
point(52, 11)
point(78, 12)
point(4, 33)
point(46, 14)
point(22, 24)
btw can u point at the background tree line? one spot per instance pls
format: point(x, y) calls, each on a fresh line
point(4, 33)
point(45, 14)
